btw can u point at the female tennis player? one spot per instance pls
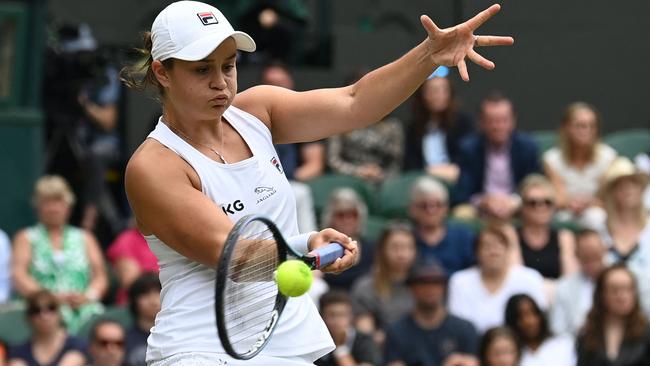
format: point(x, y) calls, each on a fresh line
point(210, 161)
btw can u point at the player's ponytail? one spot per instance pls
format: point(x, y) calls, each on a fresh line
point(139, 75)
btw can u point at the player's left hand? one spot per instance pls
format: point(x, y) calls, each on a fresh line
point(329, 235)
point(450, 46)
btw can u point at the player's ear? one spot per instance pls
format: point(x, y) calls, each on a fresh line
point(160, 73)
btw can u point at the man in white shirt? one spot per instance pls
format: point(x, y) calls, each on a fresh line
point(480, 293)
point(574, 293)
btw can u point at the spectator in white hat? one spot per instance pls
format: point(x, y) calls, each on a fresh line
point(626, 232)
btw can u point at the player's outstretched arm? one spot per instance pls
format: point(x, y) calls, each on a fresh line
point(304, 116)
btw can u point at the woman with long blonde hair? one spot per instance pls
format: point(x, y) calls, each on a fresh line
point(576, 165)
point(382, 296)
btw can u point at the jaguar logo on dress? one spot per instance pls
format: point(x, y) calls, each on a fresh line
point(264, 193)
point(276, 163)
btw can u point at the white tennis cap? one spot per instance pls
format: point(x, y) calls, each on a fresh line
point(191, 30)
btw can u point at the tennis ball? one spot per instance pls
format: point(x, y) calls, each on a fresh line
point(293, 278)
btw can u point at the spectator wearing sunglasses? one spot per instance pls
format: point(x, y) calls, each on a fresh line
point(548, 250)
point(107, 343)
point(49, 344)
point(451, 245)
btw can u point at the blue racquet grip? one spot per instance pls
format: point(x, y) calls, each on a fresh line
point(327, 254)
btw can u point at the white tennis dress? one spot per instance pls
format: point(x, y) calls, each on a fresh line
point(186, 324)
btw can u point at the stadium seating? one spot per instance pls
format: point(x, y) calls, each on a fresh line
point(120, 314)
point(394, 195)
point(629, 143)
point(545, 139)
point(14, 328)
point(374, 227)
point(322, 187)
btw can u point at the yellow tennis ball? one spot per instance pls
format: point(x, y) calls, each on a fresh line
point(293, 278)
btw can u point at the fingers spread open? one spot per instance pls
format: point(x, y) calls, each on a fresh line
point(484, 41)
point(462, 70)
point(429, 25)
point(483, 16)
point(480, 60)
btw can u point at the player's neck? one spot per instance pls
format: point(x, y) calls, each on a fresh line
point(208, 132)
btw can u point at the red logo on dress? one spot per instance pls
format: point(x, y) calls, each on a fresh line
point(207, 18)
point(276, 163)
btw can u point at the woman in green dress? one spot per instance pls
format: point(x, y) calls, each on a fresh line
point(61, 258)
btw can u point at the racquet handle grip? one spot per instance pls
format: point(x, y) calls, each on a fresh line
point(326, 255)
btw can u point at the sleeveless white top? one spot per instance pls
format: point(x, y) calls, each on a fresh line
point(186, 322)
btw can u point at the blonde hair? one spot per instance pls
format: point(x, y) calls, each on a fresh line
point(613, 213)
point(536, 180)
point(565, 145)
point(53, 186)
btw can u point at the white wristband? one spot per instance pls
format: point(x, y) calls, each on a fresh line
point(341, 351)
point(300, 242)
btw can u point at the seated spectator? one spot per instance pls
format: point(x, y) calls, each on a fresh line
point(433, 137)
point(450, 244)
point(540, 347)
point(107, 344)
point(494, 162)
point(381, 297)
point(491, 283)
point(49, 343)
point(373, 153)
point(627, 229)
point(300, 162)
point(144, 304)
point(576, 166)
point(430, 336)
point(5, 267)
point(499, 347)
point(550, 251)
point(347, 213)
point(574, 293)
point(130, 257)
point(352, 347)
point(616, 331)
point(58, 257)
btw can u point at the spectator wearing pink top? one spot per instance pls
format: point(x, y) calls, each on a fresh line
point(130, 257)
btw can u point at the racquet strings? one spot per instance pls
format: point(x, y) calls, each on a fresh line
point(250, 292)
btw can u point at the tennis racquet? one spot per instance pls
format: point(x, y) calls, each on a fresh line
point(248, 304)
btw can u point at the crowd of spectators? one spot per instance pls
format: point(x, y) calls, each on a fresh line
point(557, 271)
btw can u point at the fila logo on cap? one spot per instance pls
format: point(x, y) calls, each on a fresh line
point(207, 18)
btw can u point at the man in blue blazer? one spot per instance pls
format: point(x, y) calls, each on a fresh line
point(494, 162)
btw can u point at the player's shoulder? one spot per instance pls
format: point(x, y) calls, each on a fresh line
point(153, 162)
point(259, 100)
